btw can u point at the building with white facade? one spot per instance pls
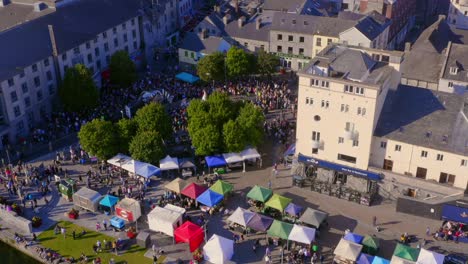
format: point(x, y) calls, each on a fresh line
point(454, 76)
point(458, 13)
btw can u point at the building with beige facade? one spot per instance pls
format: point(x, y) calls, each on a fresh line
point(458, 13)
point(353, 112)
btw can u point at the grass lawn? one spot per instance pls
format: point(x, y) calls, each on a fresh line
point(68, 247)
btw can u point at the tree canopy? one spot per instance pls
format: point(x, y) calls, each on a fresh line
point(147, 146)
point(77, 90)
point(153, 117)
point(99, 138)
point(239, 63)
point(211, 67)
point(127, 129)
point(122, 69)
point(221, 125)
point(267, 62)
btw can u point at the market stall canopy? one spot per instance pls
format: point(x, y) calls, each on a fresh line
point(109, 201)
point(189, 233)
point(164, 220)
point(132, 165)
point(177, 185)
point(260, 222)
point(147, 170)
point(87, 198)
point(233, 157)
point(169, 163)
point(280, 229)
point(119, 159)
point(218, 249)
point(406, 252)
point(313, 217)
point(222, 187)
point(186, 163)
point(379, 260)
point(210, 198)
point(430, 257)
point(364, 259)
point(249, 153)
point(175, 208)
point(193, 190)
point(348, 250)
point(241, 216)
point(187, 77)
point(215, 161)
point(278, 202)
point(129, 209)
point(371, 244)
point(302, 234)
point(398, 260)
point(354, 238)
point(260, 194)
point(293, 209)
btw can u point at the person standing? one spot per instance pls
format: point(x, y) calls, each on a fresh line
point(104, 223)
point(74, 234)
point(64, 232)
point(374, 221)
point(428, 231)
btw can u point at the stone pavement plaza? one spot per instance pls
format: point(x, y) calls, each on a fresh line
point(342, 215)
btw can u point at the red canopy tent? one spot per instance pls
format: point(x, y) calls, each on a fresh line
point(193, 190)
point(189, 233)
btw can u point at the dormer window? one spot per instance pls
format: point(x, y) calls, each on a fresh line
point(294, 21)
point(453, 70)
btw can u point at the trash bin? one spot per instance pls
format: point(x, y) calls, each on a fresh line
point(143, 239)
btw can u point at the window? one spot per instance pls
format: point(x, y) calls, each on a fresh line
point(464, 162)
point(424, 154)
point(355, 143)
point(192, 55)
point(301, 39)
point(95, 40)
point(440, 157)
point(294, 21)
point(46, 62)
point(307, 100)
point(450, 84)
point(315, 136)
point(340, 140)
point(13, 96)
point(346, 108)
point(290, 50)
point(314, 82)
point(88, 45)
point(385, 58)
point(51, 89)
point(359, 90)
point(126, 49)
point(132, 21)
point(348, 89)
point(453, 70)
point(125, 37)
point(39, 95)
point(104, 34)
point(327, 104)
point(363, 111)
point(318, 42)
point(134, 33)
point(49, 75)
point(397, 147)
point(114, 30)
point(76, 50)
point(383, 144)
point(64, 57)
point(306, 23)
point(24, 87)
point(342, 109)
point(34, 67)
point(346, 158)
point(11, 82)
point(98, 64)
point(106, 47)
point(90, 58)
point(96, 51)
point(37, 81)
point(290, 38)
point(17, 111)
point(280, 37)
point(301, 51)
point(359, 110)
point(329, 41)
point(279, 49)
point(27, 102)
point(325, 84)
point(135, 45)
point(19, 127)
point(124, 25)
point(116, 42)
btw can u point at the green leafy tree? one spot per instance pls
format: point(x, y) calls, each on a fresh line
point(78, 91)
point(99, 138)
point(238, 62)
point(211, 67)
point(267, 63)
point(250, 121)
point(122, 69)
point(153, 117)
point(207, 140)
point(127, 129)
point(147, 146)
point(221, 108)
point(233, 136)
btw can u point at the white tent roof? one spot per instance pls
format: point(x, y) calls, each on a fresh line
point(430, 257)
point(174, 208)
point(89, 194)
point(302, 234)
point(348, 250)
point(119, 160)
point(133, 166)
point(169, 163)
point(250, 153)
point(241, 216)
point(163, 220)
point(218, 249)
point(233, 157)
point(398, 260)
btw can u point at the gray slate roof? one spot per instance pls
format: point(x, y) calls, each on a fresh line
point(193, 42)
point(458, 57)
point(354, 62)
point(15, 14)
point(370, 28)
point(326, 26)
point(249, 30)
point(425, 118)
point(74, 24)
point(282, 5)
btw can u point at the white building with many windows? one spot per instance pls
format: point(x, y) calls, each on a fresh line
point(458, 13)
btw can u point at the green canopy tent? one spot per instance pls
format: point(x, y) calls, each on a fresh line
point(280, 229)
point(278, 202)
point(371, 245)
point(260, 194)
point(406, 252)
point(222, 187)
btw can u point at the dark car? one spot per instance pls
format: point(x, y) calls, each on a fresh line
point(456, 259)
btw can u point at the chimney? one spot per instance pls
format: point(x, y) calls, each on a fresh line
point(407, 46)
point(52, 40)
point(240, 21)
point(38, 6)
point(4, 3)
point(204, 34)
point(258, 23)
point(226, 19)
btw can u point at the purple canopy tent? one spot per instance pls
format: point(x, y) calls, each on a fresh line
point(293, 209)
point(260, 222)
point(354, 238)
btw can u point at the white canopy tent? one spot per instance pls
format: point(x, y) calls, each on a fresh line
point(430, 257)
point(302, 234)
point(132, 166)
point(241, 216)
point(119, 159)
point(347, 251)
point(218, 249)
point(398, 260)
point(169, 163)
point(250, 153)
point(164, 220)
point(232, 157)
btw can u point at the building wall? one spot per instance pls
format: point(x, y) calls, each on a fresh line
point(211, 29)
point(458, 14)
point(451, 86)
point(324, 41)
point(354, 37)
point(185, 11)
point(252, 44)
point(408, 159)
point(295, 44)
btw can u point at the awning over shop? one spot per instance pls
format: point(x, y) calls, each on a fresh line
point(338, 167)
point(455, 213)
point(187, 77)
point(215, 161)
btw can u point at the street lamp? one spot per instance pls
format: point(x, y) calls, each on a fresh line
point(122, 112)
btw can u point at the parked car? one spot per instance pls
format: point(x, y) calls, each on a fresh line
point(456, 259)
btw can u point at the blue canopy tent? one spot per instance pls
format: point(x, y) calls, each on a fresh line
point(210, 198)
point(379, 260)
point(109, 201)
point(187, 77)
point(293, 209)
point(354, 238)
point(364, 259)
point(147, 170)
point(215, 161)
